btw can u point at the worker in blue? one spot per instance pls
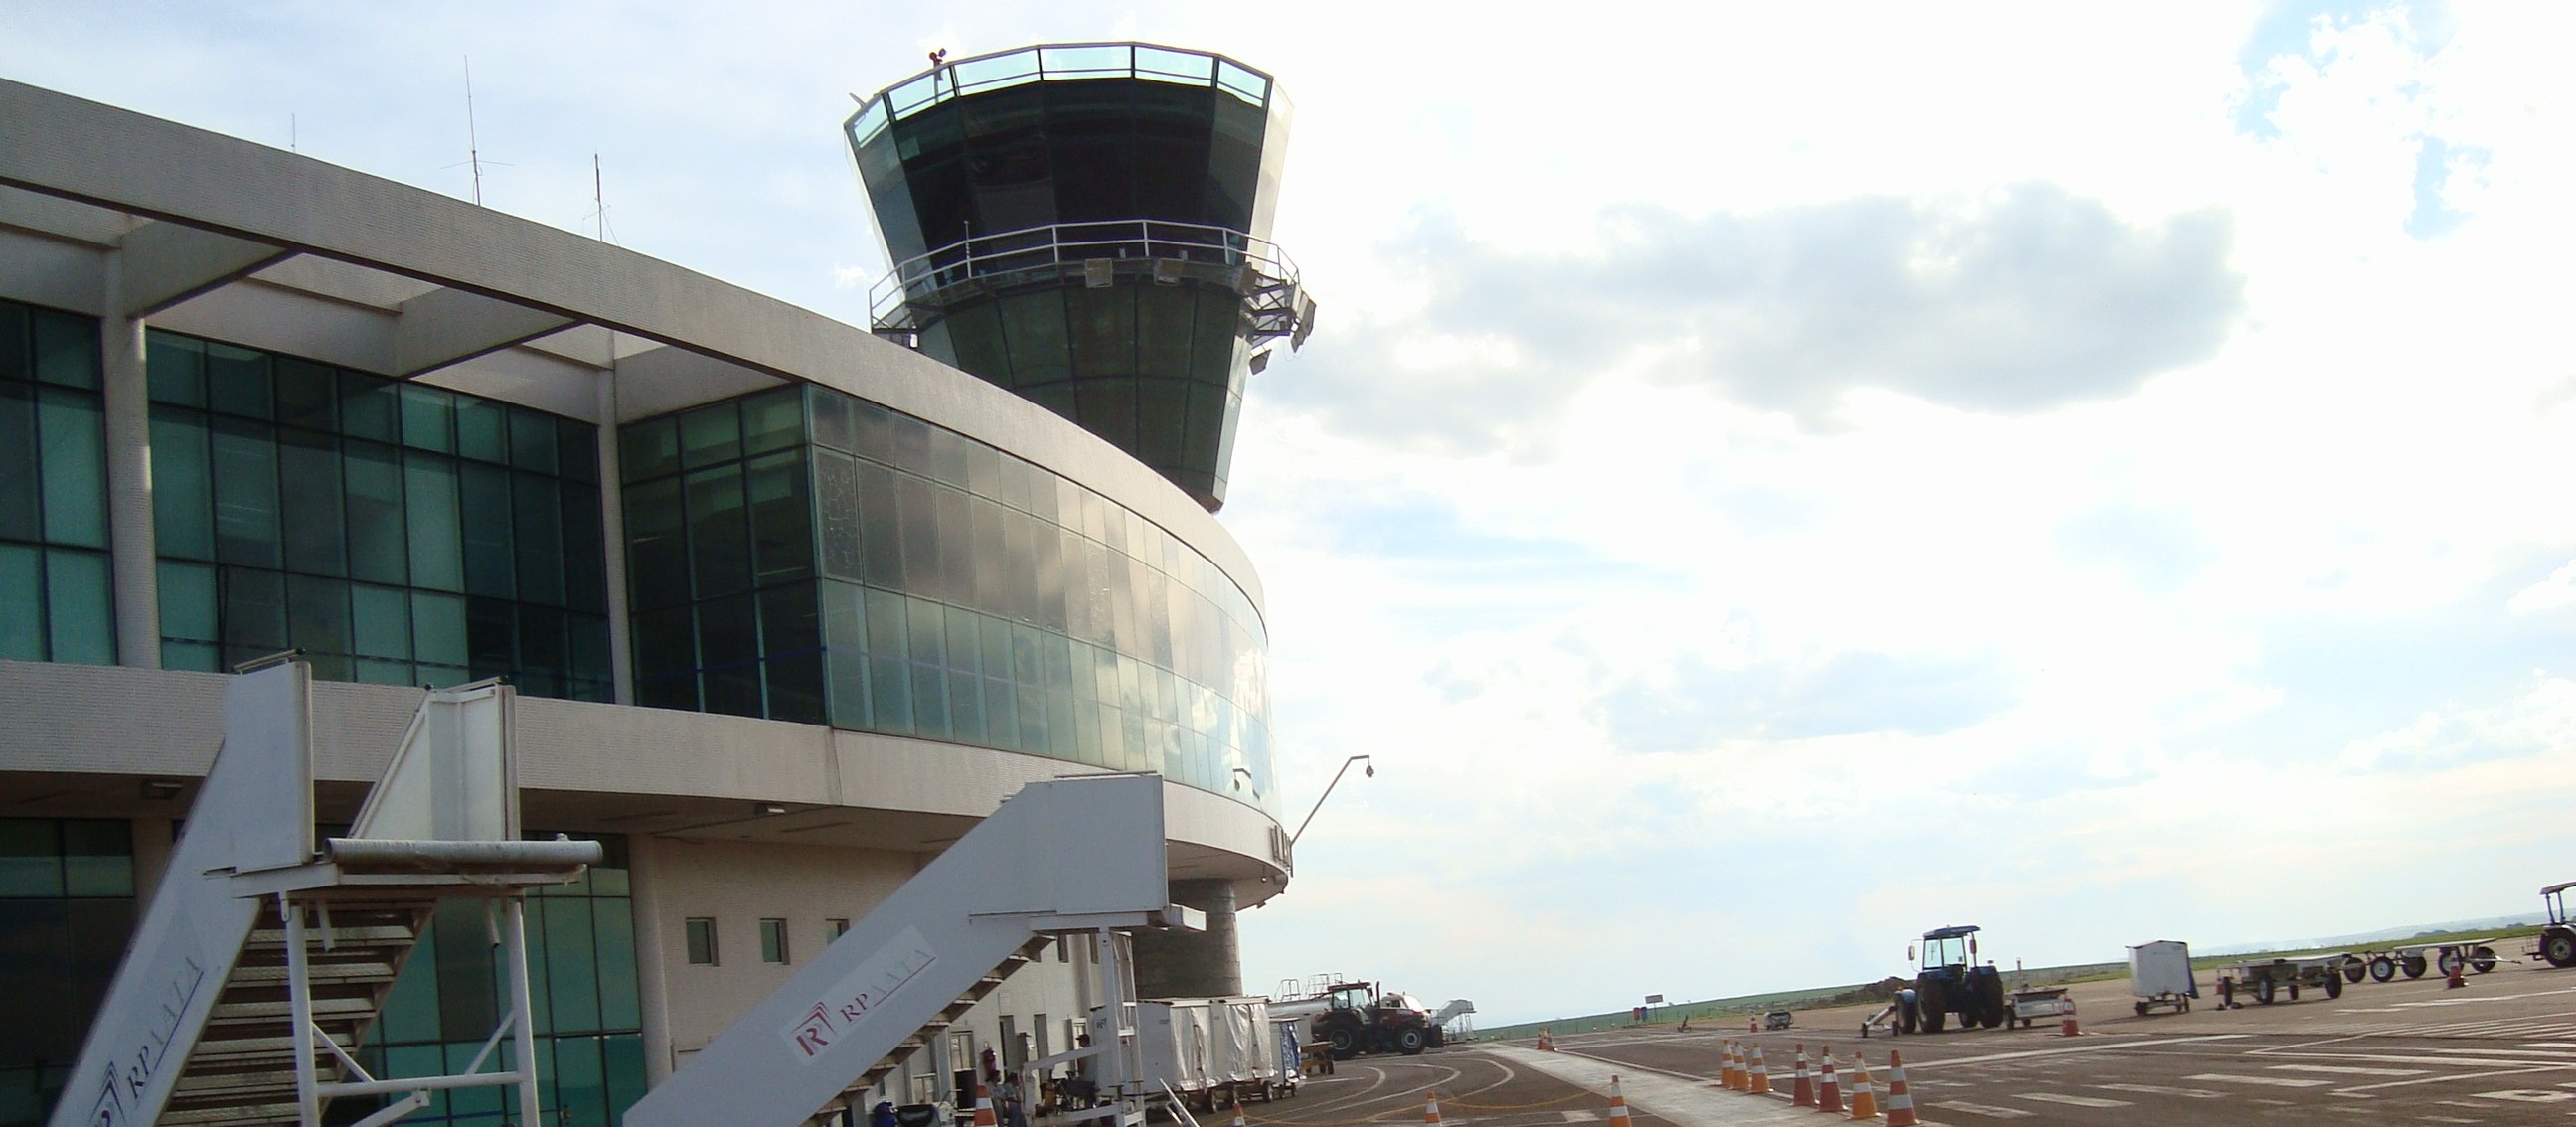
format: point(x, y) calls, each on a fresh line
point(1909, 1009)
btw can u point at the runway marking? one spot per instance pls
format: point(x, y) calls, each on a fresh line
point(2519, 1056)
point(2089, 1101)
point(2161, 1090)
point(1581, 1116)
point(2348, 1070)
point(2274, 1081)
point(2111, 1046)
point(1981, 1109)
point(2529, 1096)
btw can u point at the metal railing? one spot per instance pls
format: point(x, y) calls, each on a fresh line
point(1052, 62)
point(1045, 253)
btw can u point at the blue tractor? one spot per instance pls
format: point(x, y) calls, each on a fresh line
point(1951, 981)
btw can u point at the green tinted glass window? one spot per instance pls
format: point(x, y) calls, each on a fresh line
point(75, 468)
point(22, 602)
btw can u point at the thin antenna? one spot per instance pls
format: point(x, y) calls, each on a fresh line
point(599, 196)
point(291, 146)
point(473, 147)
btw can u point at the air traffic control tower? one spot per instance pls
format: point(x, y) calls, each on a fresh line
point(1088, 225)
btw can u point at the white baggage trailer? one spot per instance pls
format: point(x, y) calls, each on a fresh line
point(2160, 975)
point(1206, 1051)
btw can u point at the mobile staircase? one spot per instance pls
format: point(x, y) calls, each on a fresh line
point(264, 958)
point(1063, 856)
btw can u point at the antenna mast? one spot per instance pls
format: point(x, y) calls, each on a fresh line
point(473, 148)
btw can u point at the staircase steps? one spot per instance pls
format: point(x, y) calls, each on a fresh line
point(930, 1030)
point(242, 1070)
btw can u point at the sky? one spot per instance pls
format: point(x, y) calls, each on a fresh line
point(1768, 479)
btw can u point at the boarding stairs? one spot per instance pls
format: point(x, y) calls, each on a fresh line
point(1073, 855)
point(262, 960)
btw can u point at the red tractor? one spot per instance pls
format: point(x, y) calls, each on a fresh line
point(1355, 1018)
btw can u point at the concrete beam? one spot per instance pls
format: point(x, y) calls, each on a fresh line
point(451, 326)
point(168, 263)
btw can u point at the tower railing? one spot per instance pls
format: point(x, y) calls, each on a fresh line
point(1056, 62)
point(1253, 267)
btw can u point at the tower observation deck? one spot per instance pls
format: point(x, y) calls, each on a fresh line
point(1087, 225)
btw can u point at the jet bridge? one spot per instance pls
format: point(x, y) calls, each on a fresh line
point(1081, 854)
point(263, 958)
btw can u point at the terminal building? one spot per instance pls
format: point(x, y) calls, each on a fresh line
point(789, 603)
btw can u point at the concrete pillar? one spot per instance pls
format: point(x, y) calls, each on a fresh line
point(612, 525)
point(1184, 964)
point(652, 991)
point(133, 562)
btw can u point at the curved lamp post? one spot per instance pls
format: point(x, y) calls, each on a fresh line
point(1371, 772)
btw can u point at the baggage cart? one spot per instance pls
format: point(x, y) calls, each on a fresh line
point(2160, 976)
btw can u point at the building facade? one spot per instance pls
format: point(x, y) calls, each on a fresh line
point(790, 606)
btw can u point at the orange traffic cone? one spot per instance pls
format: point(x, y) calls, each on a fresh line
point(2457, 978)
point(1618, 1104)
point(1736, 1077)
point(1802, 1088)
point(1546, 1041)
point(1900, 1103)
point(1238, 1113)
point(2066, 1028)
point(983, 1106)
point(1864, 1095)
point(1829, 1093)
point(1758, 1075)
point(1430, 1110)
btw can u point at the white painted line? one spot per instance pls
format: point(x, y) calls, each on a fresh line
point(2089, 1101)
point(2348, 1070)
point(1580, 1116)
point(1912, 1067)
point(2529, 1096)
point(2161, 1090)
point(2274, 1081)
point(1981, 1109)
point(2523, 1056)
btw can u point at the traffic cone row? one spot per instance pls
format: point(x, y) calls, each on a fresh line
point(1900, 1103)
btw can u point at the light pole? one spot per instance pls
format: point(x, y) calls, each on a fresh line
point(1370, 771)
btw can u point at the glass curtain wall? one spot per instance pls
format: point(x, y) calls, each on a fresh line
point(56, 599)
point(66, 911)
point(805, 555)
point(397, 533)
point(581, 987)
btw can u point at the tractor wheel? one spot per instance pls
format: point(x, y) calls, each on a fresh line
point(1993, 991)
point(2263, 991)
point(2382, 968)
point(1410, 1041)
point(2413, 966)
point(2482, 959)
point(1936, 1007)
point(2334, 986)
point(2354, 968)
point(2450, 961)
point(1344, 1040)
point(2141, 1007)
point(2558, 945)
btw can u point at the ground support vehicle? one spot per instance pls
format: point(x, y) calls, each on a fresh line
point(1777, 1020)
point(2414, 959)
point(2266, 981)
point(2029, 1005)
point(2160, 975)
point(1953, 982)
point(1292, 1063)
point(2557, 940)
point(1356, 1018)
point(1208, 1052)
